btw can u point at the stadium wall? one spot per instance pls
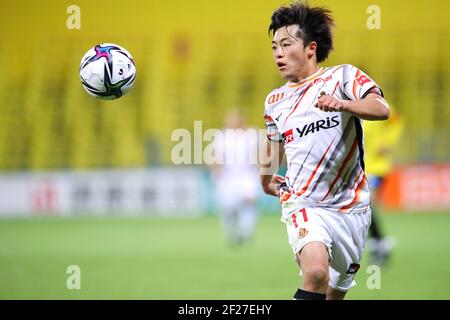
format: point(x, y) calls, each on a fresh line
point(417, 188)
point(183, 191)
point(155, 192)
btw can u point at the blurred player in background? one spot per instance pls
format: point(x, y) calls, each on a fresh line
point(380, 137)
point(236, 177)
point(315, 119)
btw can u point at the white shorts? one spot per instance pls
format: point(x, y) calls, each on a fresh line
point(344, 234)
point(232, 190)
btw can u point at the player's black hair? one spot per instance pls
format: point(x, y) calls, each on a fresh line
point(315, 25)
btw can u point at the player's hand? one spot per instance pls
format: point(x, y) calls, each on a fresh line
point(284, 192)
point(273, 185)
point(329, 104)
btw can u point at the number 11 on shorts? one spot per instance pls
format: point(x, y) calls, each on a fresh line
point(294, 217)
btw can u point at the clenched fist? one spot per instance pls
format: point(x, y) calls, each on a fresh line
point(329, 104)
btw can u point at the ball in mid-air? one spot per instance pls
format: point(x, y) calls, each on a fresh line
point(107, 71)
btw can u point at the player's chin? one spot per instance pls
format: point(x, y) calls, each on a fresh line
point(286, 75)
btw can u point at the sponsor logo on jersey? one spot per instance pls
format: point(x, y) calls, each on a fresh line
point(288, 136)
point(312, 127)
point(316, 81)
point(362, 79)
point(354, 267)
point(275, 97)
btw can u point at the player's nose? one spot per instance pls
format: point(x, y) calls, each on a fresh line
point(279, 52)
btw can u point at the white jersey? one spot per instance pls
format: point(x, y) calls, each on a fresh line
point(236, 154)
point(236, 151)
point(324, 150)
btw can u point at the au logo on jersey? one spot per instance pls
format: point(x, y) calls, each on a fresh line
point(275, 97)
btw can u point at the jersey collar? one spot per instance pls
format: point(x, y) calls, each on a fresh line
point(318, 73)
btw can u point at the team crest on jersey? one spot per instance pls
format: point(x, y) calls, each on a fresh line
point(302, 232)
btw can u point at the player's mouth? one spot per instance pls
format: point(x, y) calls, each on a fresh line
point(281, 65)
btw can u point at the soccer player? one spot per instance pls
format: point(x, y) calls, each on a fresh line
point(236, 178)
point(380, 139)
point(315, 119)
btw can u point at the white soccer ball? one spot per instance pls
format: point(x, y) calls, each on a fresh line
point(107, 71)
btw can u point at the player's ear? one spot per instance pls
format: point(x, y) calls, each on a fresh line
point(311, 49)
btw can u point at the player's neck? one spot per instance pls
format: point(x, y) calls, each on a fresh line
point(307, 73)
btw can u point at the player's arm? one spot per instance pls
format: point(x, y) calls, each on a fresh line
point(273, 156)
point(372, 107)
